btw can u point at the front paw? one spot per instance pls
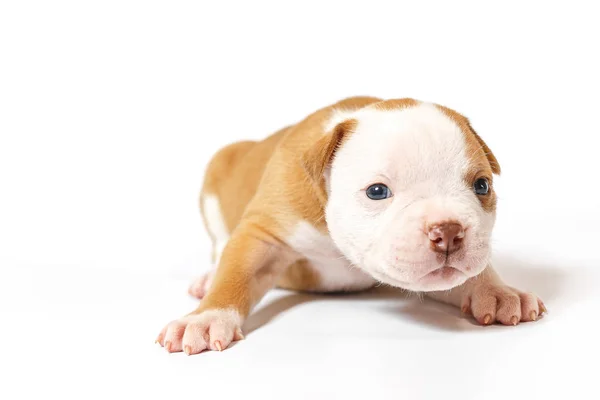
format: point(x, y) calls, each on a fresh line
point(490, 303)
point(207, 330)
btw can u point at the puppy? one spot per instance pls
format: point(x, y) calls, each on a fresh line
point(361, 192)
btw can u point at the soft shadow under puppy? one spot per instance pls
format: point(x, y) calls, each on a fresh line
point(551, 283)
point(556, 287)
point(269, 311)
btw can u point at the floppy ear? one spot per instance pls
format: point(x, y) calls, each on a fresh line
point(316, 160)
point(465, 125)
point(488, 152)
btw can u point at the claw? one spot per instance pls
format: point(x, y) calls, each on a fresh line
point(218, 345)
point(238, 335)
point(159, 339)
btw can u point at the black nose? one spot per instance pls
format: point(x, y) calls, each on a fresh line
point(446, 237)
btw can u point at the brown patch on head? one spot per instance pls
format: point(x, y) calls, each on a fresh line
point(482, 162)
point(395, 104)
point(319, 156)
point(474, 141)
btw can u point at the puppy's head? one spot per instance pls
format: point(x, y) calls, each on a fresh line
point(410, 197)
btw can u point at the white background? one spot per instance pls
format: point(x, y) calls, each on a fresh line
point(109, 112)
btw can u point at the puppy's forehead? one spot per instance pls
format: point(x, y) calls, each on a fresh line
point(408, 140)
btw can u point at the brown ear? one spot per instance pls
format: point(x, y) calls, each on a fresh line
point(319, 156)
point(465, 125)
point(488, 152)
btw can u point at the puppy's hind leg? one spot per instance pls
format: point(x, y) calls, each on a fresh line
point(200, 286)
point(215, 226)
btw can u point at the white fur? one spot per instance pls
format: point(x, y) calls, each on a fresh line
point(421, 155)
point(336, 273)
point(215, 224)
point(338, 115)
point(225, 316)
point(204, 329)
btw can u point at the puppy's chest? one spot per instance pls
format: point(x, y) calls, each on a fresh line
point(334, 270)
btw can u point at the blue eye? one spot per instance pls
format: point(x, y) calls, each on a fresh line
point(481, 187)
point(378, 191)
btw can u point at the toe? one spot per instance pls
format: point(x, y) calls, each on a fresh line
point(542, 307)
point(238, 335)
point(221, 335)
point(530, 308)
point(173, 336)
point(161, 336)
point(195, 338)
point(483, 307)
point(509, 308)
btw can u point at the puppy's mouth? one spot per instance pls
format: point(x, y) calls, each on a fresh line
point(444, 273)
point(442, 278)
point(431, 274)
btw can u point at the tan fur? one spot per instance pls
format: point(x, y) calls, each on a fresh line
point(235, 174)
point(315, 160)
point(265, 188)
point(483, 163)
point(300, 277)
point(248, 178)
point(396, 104)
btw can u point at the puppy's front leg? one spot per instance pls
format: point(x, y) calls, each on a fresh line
point(250, 265)
point(489, 299)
